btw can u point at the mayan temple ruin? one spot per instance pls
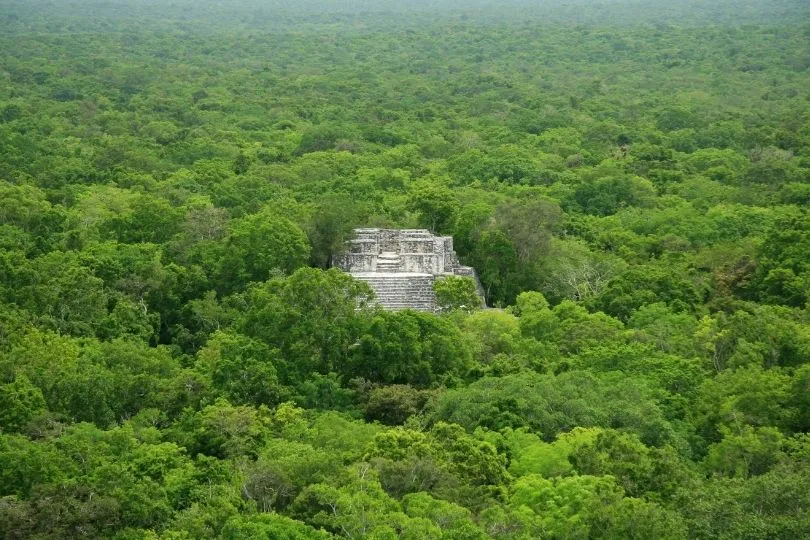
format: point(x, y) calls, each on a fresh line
point(401, 265)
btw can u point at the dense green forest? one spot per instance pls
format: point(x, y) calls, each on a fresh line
point(630, 179)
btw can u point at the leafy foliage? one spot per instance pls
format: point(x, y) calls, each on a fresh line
point(629, 179)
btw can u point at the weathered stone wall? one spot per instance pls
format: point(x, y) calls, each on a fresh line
point(402, 264)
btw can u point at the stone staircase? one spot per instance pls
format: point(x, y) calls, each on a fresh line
point(388, 261)
point(402, 291)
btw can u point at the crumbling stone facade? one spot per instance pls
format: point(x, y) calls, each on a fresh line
point(401, 265)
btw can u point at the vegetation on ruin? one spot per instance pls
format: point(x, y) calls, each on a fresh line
point(630, 179)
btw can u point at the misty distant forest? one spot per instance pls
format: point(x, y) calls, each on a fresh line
point(629, 178)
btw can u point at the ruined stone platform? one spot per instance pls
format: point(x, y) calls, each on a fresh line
point(401, 265)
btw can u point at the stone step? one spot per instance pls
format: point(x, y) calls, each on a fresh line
point(395, 280)
point(410, 301)
point(402, 292)
point(397, 290)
